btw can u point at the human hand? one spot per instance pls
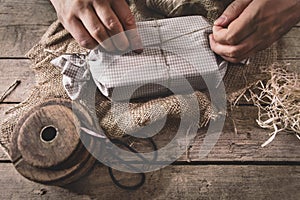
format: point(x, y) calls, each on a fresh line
point(248, 26)
point(94, 22)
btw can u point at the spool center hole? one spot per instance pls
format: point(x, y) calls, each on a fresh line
point(48, 134)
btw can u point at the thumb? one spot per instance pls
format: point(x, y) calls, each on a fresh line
point(232, 12)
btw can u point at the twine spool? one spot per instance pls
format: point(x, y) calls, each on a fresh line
point(46, 145)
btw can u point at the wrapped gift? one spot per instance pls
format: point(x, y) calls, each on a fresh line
point(176, 59)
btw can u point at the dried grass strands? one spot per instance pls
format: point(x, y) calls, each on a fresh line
point(278, 102)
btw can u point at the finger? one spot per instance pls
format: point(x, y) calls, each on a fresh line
point(232, 12)
point(231, 53)
point(128, 21)
point(112, 24)
point(234, 60)
point(237, 31)
point(80, 34)
point(96, 29)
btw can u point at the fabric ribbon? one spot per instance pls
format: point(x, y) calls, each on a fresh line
point(75, 73)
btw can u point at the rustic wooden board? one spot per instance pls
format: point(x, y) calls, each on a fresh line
point(19, 69)
point(289, 45)
point(245, 146)
point(3, 109)
point(173, 182)
point(12, 70)
point(3, 156)
point(22, 25)
point(291, 65)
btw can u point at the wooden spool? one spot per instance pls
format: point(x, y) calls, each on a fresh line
point(46, 145)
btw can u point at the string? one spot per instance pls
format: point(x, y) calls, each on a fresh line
point(179, 36)
point(110, 171)
point(143, 176)
point(163, 54)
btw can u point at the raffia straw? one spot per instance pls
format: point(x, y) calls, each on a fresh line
point(278, 102)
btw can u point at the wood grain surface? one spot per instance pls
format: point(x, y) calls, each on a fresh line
point(174, 182)
point(237, 167)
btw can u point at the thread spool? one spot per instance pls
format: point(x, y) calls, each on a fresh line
point(46, 145)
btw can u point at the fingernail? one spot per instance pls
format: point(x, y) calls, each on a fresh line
point(120, 41)
point(108, 45)
point(122, 46)
point(138, 51)
point(135, 41)
point(137, 47)
point(221, 20)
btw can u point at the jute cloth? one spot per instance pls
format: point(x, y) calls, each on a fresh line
point(49, 79)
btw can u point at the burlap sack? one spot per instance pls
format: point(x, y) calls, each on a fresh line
point(149, 9)
point(49, 84)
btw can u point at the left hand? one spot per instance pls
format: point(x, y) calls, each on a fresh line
point(248, 26)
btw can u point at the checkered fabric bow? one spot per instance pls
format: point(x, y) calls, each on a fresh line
point(75, 73)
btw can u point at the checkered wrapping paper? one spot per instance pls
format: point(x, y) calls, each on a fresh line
point(75, 73)
point(176, 59)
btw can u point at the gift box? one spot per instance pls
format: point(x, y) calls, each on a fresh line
point(176, 59)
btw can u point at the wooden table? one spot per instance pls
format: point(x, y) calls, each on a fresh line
point(237, 168)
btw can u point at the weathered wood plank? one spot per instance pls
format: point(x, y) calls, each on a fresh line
point(292, 65)
point(12, 70)
point(173, 182)
point(289, 45)
point(17, 40)
point(3, 109)
point(16, 69)
point(3, 156)
point(243, 146)
point(15, 13)
point(22, 25)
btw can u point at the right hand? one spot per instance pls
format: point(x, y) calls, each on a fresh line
point(249, 26)
point(94, 22)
